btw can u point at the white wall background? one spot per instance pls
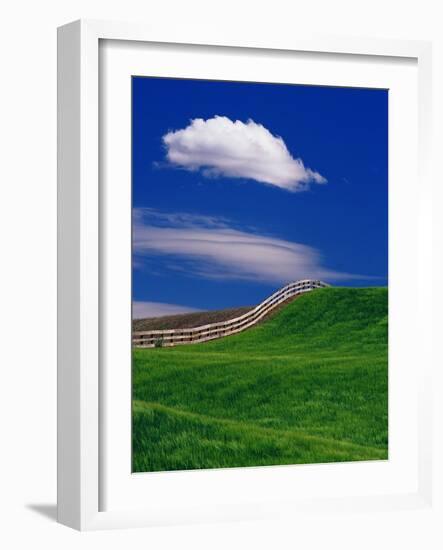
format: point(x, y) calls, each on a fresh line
point(28, 270)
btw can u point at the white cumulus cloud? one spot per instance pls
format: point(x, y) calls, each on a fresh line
point(220, 146)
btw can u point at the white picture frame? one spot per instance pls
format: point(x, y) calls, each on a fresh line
point(80, 445)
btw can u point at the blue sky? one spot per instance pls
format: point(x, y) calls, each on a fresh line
point(239, 188)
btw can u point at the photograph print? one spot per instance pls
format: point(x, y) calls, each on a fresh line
point(259, 274)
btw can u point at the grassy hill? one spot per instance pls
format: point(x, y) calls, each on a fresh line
point(308, 385)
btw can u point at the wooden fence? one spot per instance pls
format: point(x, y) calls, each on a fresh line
point(164, 338)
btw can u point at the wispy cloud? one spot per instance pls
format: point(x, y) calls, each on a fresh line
point(214, 248)
point(146, 310)
point(223, 147)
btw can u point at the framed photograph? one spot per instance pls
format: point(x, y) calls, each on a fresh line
point(244, 296)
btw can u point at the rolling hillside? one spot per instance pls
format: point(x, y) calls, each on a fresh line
point(188, 320)
point(307, 385)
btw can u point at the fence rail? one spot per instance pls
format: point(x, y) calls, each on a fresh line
point(204, 333)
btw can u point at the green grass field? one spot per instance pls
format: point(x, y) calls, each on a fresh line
point(308, 385)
